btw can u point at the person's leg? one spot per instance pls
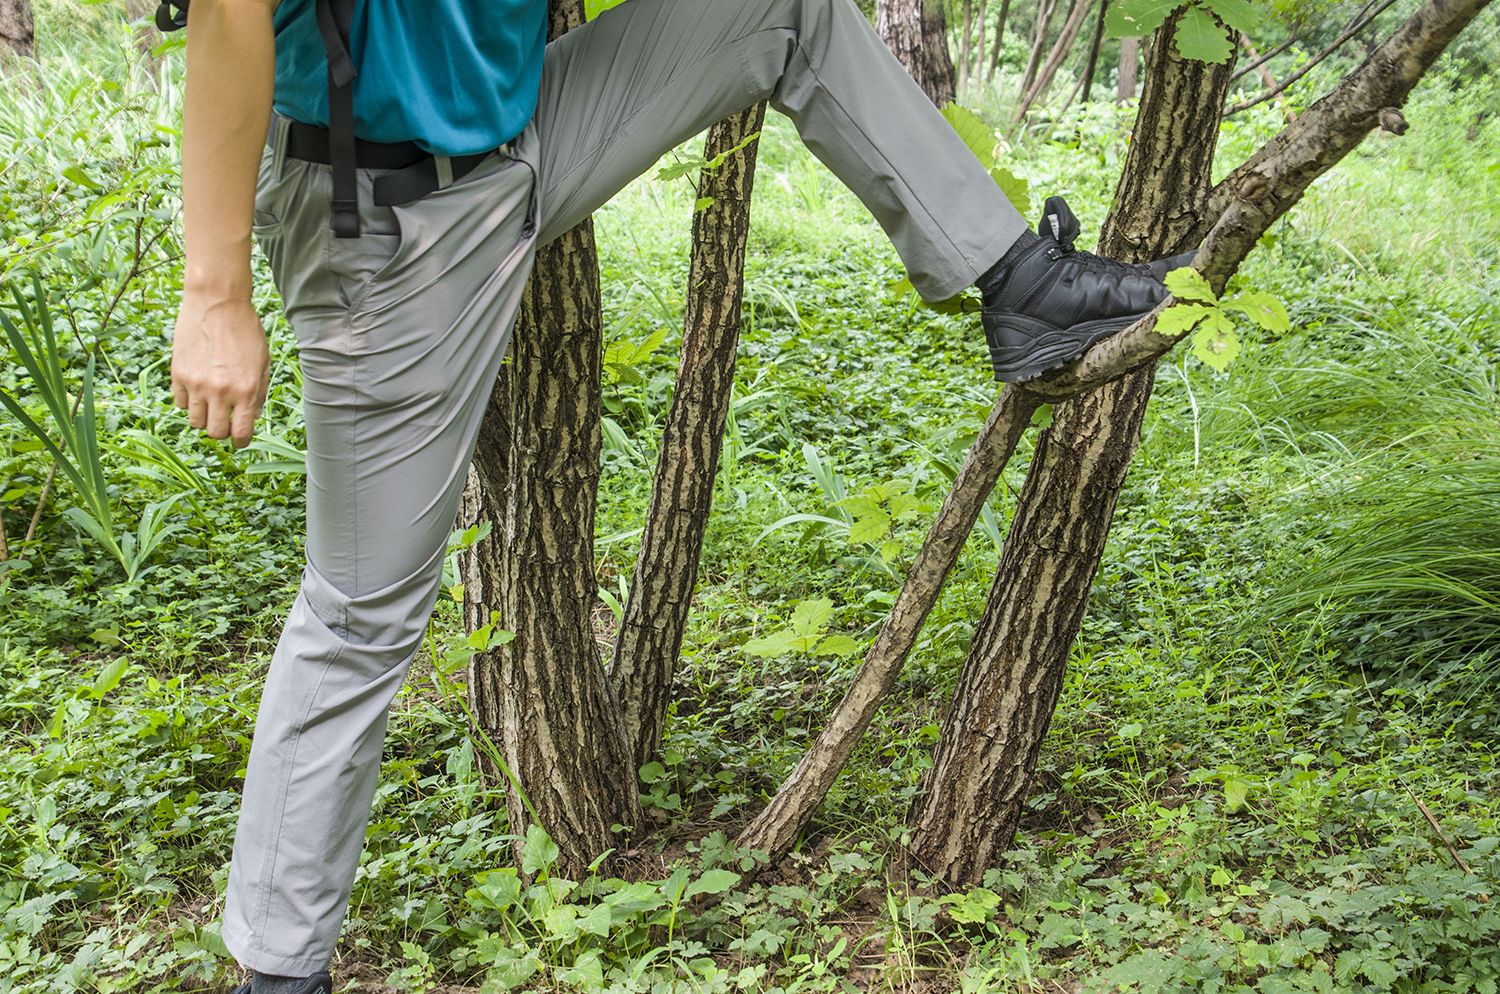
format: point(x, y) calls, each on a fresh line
point(401, 332)
point(649, 74)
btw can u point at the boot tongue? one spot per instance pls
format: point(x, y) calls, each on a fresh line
point(1058, 222)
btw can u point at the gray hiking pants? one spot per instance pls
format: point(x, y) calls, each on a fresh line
point(402, 331)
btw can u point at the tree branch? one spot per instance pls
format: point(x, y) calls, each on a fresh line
point(1237, 212)
point(1353, 29)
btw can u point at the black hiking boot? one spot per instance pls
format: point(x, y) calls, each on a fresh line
point(1046, 302)
point(318, 983)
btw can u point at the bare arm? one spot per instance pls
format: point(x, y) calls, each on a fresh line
point(220, 363)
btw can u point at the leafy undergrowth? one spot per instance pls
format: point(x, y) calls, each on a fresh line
point(1273, 767)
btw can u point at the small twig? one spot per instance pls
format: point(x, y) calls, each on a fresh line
point(41, 502)
point(1437, 828)
point(1262, 60)
point(1349, 32)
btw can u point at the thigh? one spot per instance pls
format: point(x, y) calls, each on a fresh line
point(639, 79)
point(401, 334)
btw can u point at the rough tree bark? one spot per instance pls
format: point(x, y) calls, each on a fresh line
point(666, 569)
point(1240, 209)
point(917, 32)
point(17, 27)
point(545, 698)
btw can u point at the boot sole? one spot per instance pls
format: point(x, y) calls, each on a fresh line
point(1037, 346)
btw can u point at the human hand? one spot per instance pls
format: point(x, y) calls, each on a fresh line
point(221, 365)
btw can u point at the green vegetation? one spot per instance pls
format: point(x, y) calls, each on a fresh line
point(1274, 764)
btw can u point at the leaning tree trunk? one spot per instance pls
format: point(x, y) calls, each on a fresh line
point(982, 769)
point(999, 40)
point(1059, 54)
point(916, 31)
point(544, 698)
point(17, 28)
point(1130, 61)
point(1235, 214)
point(1045, 13)
point(666, 569)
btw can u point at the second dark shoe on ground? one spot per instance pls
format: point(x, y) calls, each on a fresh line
point(1046, 302)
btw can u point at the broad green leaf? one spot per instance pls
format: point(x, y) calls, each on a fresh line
point(702, 204)
point(837, 645)
point(715, 881)
point(1241, 15)
point(540, 852)
point(1188, 284)
point(509, 970)
point(1016, 189)
point(1201, 38)
point(904, 506)
point(1133, 18)
point(773, 645)
point(973, 131)
point(1262, 308)
point(653, 771)
point(1236, 794)
point(902, 287)
point(1215, 342)
point(587, 972)
point(870, 525)
point(1042, 417)
point(1179, 318)
point(812, 615)
point(109, 678)
point(889, 550)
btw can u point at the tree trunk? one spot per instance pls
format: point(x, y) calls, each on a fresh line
point(1059, 54)
point(1240, 209)
point(1130, 60)
point(975, 792)
point(17, 27)
point(964, 38)
point(916, 31)
point(545, 698)
point(1038, 44)
point(666, 569)
point(999, 39)
point(1093, 65)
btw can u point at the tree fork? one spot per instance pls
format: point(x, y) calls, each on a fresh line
point(666, 568)
point(975, 792)
point(1314, 144)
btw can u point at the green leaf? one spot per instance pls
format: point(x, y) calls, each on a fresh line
point(870, 525)
point(540, 852)
point(1016, 189)
point(109, 678)
point(1262, 308)
point(1215, 342)
point(1241, 15)
point(836, 645)
point(973, 131)
point(715, 881)
point(1236, 794)
point(811, 616)
point(1134, 18)
point(1179, 318)
point(702, 204)
point(1188, 284)
point(1202, 38)
point(1042, 416)
point(773, 645)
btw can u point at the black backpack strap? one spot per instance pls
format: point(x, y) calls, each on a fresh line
point(334, 18)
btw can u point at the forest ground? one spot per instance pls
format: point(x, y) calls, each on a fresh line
point(1273, 766)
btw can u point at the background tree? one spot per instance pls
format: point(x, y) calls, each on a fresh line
point(917, 32)
point(17, 27)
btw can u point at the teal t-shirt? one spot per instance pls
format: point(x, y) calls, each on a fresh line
point(455, 76)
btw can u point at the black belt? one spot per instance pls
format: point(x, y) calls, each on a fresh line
point(418, 172)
